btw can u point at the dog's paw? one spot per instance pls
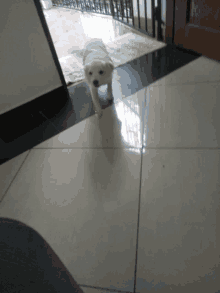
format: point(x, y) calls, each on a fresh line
point(99, 114)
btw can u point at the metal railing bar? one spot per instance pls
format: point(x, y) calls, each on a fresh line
point(126, 4)
point(117, 7)
point(122, 9)
point(139, 21)
point(153, 17)
point(159, 29)
point(105, 7)
point(100, 6)
point(145, 10)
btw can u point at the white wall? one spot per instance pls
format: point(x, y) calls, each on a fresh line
point(27, 69)
point(142, 8)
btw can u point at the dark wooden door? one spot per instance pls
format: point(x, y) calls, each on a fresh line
point(197, 26)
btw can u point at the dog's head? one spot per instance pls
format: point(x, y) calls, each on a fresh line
point(98, 73)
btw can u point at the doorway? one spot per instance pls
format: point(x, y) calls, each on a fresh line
point(197, 26)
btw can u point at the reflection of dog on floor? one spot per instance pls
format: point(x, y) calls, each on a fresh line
point(98, 68)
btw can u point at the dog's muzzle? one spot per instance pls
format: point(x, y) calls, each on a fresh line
point(96, 83)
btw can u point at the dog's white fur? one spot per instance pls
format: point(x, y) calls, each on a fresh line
point(98, 68)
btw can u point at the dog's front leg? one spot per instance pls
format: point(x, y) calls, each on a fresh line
point(95, 99)
point(109, 97)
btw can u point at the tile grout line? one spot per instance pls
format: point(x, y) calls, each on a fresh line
point(182, 148)
point(139, 199)
point(42, 114)
point(181, 84)
point(86, 148)
point(127, 148)
point(138, 222)
point(15, 176)
point(103, 288)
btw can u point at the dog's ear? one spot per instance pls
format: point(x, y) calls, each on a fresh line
point(109, 64)
point(86, 68)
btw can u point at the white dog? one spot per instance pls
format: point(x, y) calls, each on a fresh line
point(98, 68)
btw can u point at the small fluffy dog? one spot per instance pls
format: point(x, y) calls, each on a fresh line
point(98, 68)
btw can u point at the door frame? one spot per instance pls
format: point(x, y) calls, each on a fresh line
point(170, 21)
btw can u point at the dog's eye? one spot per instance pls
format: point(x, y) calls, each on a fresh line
point(101, 72)
point(90, 73)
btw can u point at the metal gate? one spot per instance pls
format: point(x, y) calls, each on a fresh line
point(115, 8)
point(121, 10)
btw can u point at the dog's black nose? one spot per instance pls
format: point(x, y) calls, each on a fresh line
point(95, 82)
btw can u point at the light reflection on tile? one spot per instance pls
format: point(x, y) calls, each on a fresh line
point(179, 221)
point(130, 127)
point(121, 126)
point(84, 203)
point(183, 116)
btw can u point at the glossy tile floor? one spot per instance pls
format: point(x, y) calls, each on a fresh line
point(131, 202)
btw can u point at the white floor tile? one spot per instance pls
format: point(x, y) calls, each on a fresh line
point(120, 126)
point(85, 204)
point(61, 22)
point(200, 70)
point(183, 116)
point(8, 171)
point(179, 234)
